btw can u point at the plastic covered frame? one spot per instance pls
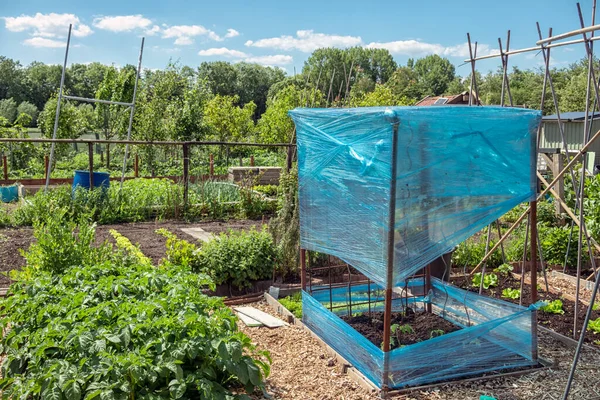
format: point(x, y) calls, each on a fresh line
point(457, 169)
point(495, 335)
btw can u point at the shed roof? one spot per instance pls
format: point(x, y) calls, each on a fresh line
point(571, 116)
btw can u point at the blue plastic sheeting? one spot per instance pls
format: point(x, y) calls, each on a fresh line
point(457, 170)
point(495, 335)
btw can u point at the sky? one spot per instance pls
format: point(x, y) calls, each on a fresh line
point(280, 33)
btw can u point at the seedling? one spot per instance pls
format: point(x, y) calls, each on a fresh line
point(489, 280)
point(509, 293)
point(436, 333)
point(553, 307)
point(594, 326)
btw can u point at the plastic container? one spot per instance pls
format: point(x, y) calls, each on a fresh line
point(82, 179)
point(9, 193)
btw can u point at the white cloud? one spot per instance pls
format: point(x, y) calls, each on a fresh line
point(418, 48)
point(152, 31)
point(306, 41)
point(273, 60)
point(183, 34)
point(231, 33)
point(122, 23)
point(222, 51)
point(47, 25)
point(44, 42)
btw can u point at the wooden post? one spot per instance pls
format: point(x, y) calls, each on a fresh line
point(241, 162)
point(212, 165)
point(559, 188)
point(5, 168)
point(533, 250)
point(91, 163)
point(252, 161)
point(186, 165)
point(136, 166)
point(427, 286)
point(303, 268)
point(46, 166)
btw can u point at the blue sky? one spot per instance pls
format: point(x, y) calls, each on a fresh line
point(278, 33)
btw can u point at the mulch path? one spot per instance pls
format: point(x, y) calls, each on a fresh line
point(302, 369)
point(420, 326)
point(560, 323)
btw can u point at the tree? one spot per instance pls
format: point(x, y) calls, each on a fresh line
point(84, 80)
point(11, 79)
point(275, 125)
point(404, 82)
point(41, 81)
point(434, 74)
point(29, 109)
point(220, 76)
point(8, 109)
point(227, 121)
point(380, 96)
point(112, 119)
point(253, 83)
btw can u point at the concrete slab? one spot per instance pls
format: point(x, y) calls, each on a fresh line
point(198, 233)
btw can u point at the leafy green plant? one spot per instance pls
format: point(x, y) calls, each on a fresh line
point(285, 226)
point(267, 190)
point(236, 257)
point(504, 269)
point(470, 252)
point(131, 249)
point(293, 303)
point(509, 293)
point(489, 280)
point(553, 307)
point(403, 329)
point(594, 326)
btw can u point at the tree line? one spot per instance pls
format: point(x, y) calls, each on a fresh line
point(248, 102)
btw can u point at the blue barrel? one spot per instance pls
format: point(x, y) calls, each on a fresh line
point(9, 193)
point(82, 179)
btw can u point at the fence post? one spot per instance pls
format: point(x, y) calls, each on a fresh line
point(46, 165)
point(186, 165)
point(136, 166)
point(5, 168)
point(289, 159)
point(212, 165)
point(241, 162)
point(252, 161)
point(91, 162)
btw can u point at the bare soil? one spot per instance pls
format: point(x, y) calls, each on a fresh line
point(11, 241)
point(418, 327)
point(142, 233)
point(560, 323)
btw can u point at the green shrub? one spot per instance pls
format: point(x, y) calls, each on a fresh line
point(285, 227)
point(236, 257)
point(112, 331)
point(555, 242)
point(470, 252)
point(267, 190)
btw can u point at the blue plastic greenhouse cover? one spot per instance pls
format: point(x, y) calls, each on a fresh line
point(457, 170)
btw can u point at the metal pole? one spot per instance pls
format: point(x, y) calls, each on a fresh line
point(186, 178)
point(474, 88)
point(5, 167)
point(533, 250)
point(91, 163)
point(487, 247)
point(303, 270)
point(387, 316)
point(56, 118)
point(137, 77)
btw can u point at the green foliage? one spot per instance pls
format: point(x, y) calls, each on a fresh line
point(293, 304)
point(489, 280)
point(118, 331)
point(594, 326)
point(555, 241)
point(470, 252)
point(29, 109)
point(509, 293)
point(380, 96)
point(436, 333)
point(435, 74)
point(553, 307)
point(285, 227)
point(61, 244)
point(236, 258)
point(504, 269)
point(8, 109)
point(404, 329)
point(227, 121)
point(129, 248)
point(267, 190)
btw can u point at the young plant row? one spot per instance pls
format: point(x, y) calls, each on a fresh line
point(85, 322)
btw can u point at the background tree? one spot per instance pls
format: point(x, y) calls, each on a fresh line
point(11, 79)
point(30, 109)
point(8, 109)
point(434, 74)
point(229, 122)
point(404, 82)
point(41, 81)
point(221, 77)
